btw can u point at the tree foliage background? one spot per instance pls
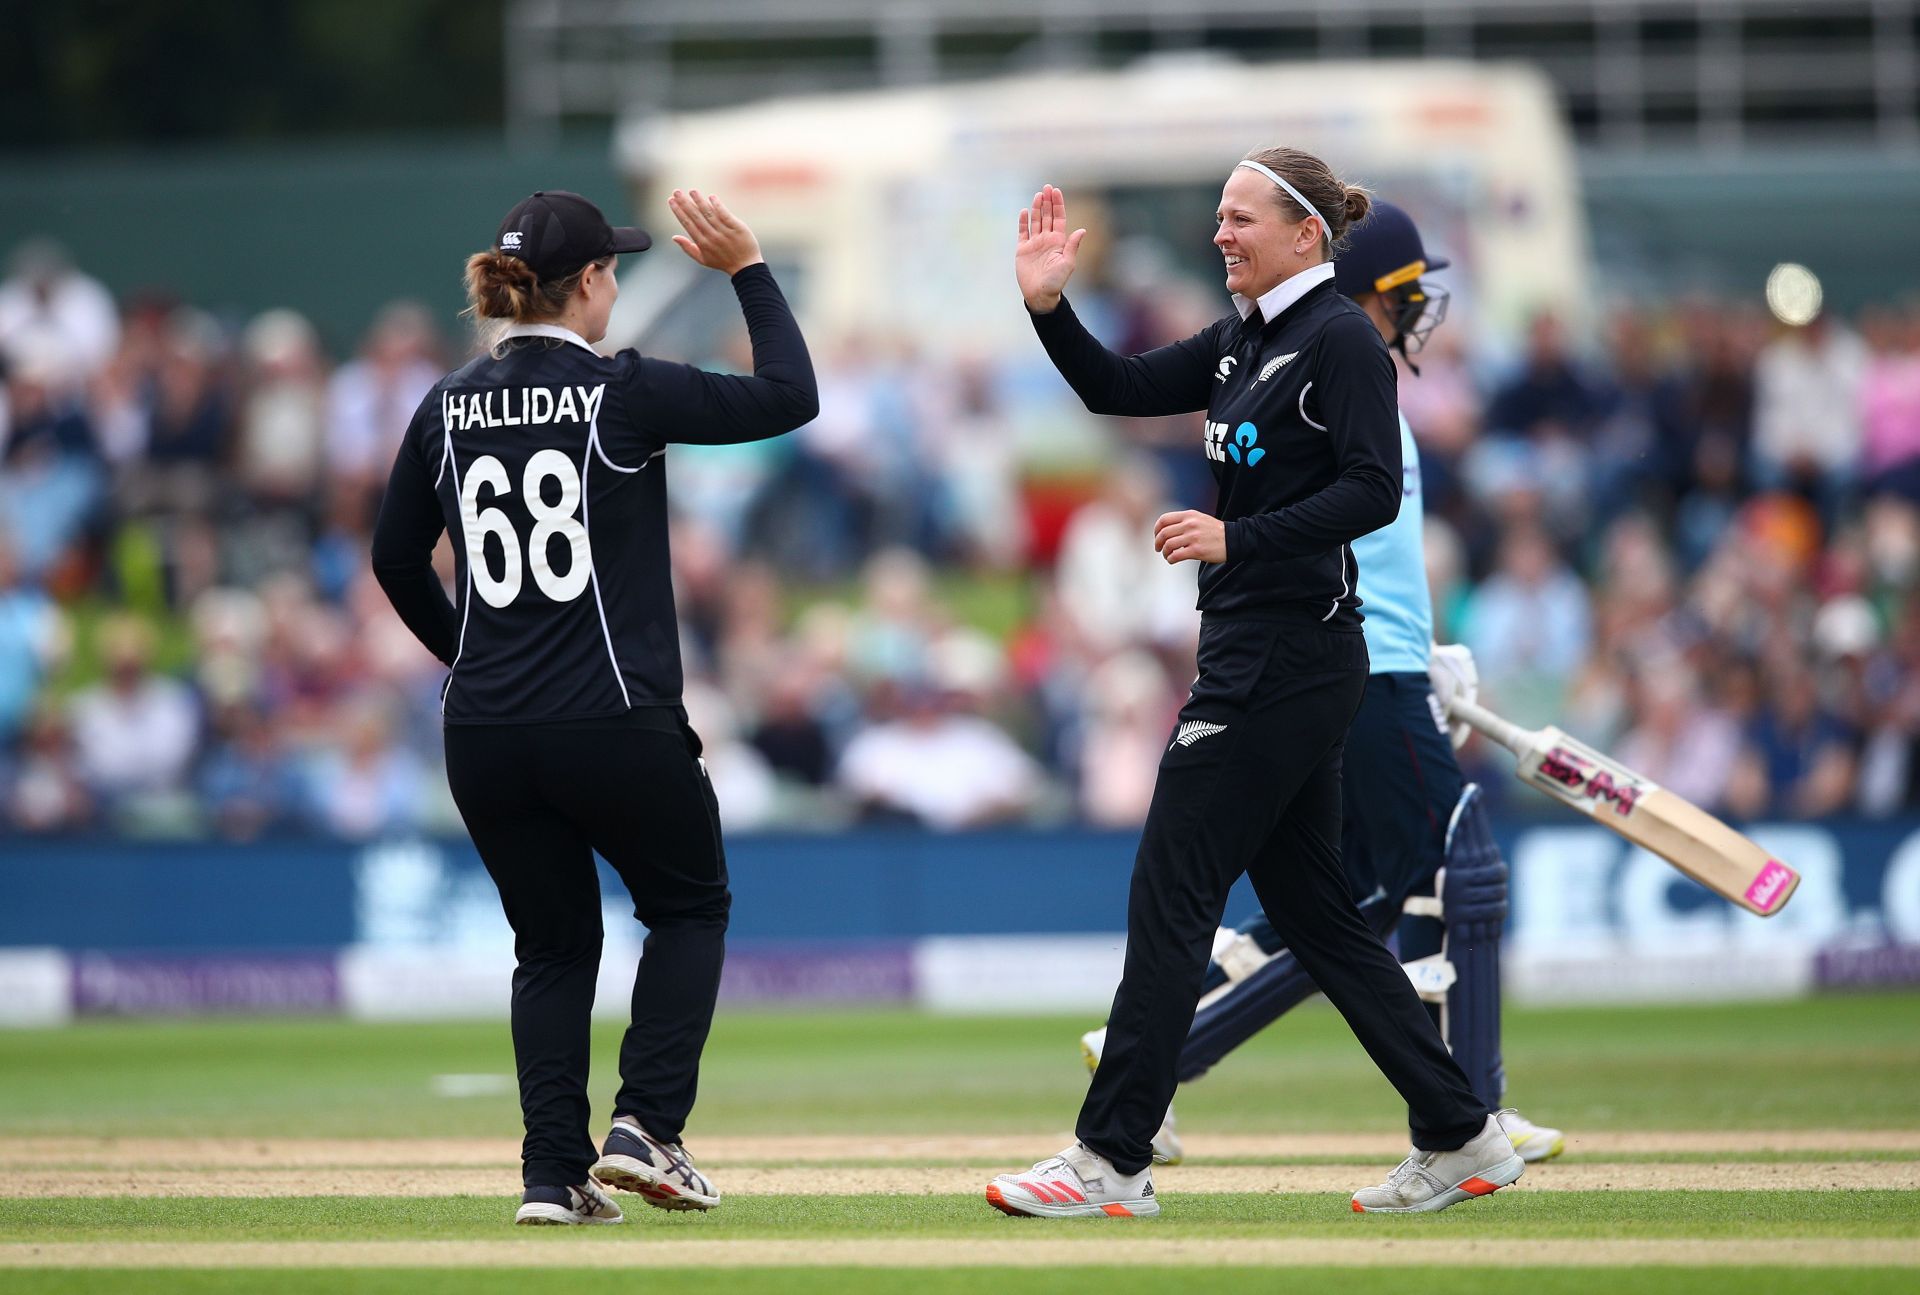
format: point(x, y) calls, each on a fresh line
point(133, 72)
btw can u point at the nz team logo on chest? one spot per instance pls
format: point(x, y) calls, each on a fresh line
point(1243, 446)
point(1274, 366)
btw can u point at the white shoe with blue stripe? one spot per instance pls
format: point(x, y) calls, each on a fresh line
point(567, 1207)
point(633, 1160)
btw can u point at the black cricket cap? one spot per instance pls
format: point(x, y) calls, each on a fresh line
point(557, 232)
point(1383, 251)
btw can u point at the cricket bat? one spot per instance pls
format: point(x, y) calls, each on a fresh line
point(1645, 813)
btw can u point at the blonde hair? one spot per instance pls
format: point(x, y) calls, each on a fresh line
point(1340, 204)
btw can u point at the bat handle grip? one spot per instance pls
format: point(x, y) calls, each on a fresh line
point(1507, 734)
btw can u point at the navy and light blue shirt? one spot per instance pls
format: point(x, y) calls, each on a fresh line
point(1393, 578)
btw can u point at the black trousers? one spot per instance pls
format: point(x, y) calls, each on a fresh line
point(1401, 768)
point(539, 800)
point(1251, 783)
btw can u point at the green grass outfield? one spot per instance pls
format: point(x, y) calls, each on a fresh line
point(1837, 1064)
point(1846, 1062)
point(1107, 1281)
point(1186, 1217)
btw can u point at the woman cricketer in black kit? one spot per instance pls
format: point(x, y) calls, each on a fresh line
point(544, 461)
point(1302, 434)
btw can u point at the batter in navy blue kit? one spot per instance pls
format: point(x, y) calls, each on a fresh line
point(546, 464)
point(1302, 435)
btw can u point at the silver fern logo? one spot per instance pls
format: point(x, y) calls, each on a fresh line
point(1195, 729)
point(1272, 367)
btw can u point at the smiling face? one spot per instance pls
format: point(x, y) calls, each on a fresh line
point(1261, 246)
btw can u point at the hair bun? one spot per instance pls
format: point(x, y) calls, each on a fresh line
point(500, 286)
point(1357, 204)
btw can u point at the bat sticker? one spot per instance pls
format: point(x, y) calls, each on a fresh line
point(1569, 770)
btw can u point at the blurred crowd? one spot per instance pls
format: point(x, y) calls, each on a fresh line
point(1688, 534)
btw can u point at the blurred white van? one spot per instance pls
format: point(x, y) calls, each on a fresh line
point(891, 212)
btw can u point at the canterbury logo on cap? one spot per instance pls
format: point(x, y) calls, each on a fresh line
point(510, 241)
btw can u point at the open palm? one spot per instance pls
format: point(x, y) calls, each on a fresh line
point(1046, 255)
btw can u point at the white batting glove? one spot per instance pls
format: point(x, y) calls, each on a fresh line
point(1453, 675)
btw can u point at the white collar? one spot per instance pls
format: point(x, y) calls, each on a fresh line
point(554, 330)
point(1284, 293)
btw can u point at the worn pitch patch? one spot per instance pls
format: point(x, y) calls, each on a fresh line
point(1129, 1243)
point(998, 1149)
point(948, 1180)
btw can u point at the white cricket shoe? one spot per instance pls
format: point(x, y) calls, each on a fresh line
point(633, 1160)
point(1074, 1183)
point(1432, 1180)
point(1167, 1147)
point(567, 1206)
point(1534, 1142)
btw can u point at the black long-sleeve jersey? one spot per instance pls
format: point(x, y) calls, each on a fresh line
point(1302, 434)
point(546, 462)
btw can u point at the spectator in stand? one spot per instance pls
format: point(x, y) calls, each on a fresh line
point(1443, 407)
point(1530, 626)
point(742, 779)
point(32, 639)
point(974, 445)
point(306, 662)
point(818, 518)
point(224, 484)
point(1680, 742)
point(371, 399)
point(1551, 397)
point(927, 760)
point(49, 307)
point(44, 791)
point(1707, 510)
point(1446, 578)
point(790, 737)
point(1111, 582)
point(247, 783)
point(1715, 380)
point(134, 734)
point(229, 627)
point(1890, 760)
point(367, 786)
point(1890, 403)
point(1806, 411)
point(51, 476)
point(1134, 708)
point(892, 632)
point(725, 486)
point(1798, 759)
point(282, 424)
point(1640, 424)
point(191, 418)
point(1632, 605)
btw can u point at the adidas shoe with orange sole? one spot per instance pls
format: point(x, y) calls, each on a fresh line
point(1432, 1180)
point(1074, 1184)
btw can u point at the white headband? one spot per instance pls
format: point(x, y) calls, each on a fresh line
point(1293, 193)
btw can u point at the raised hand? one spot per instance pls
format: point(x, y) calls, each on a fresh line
point(715, 237)
point(1046, 255)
